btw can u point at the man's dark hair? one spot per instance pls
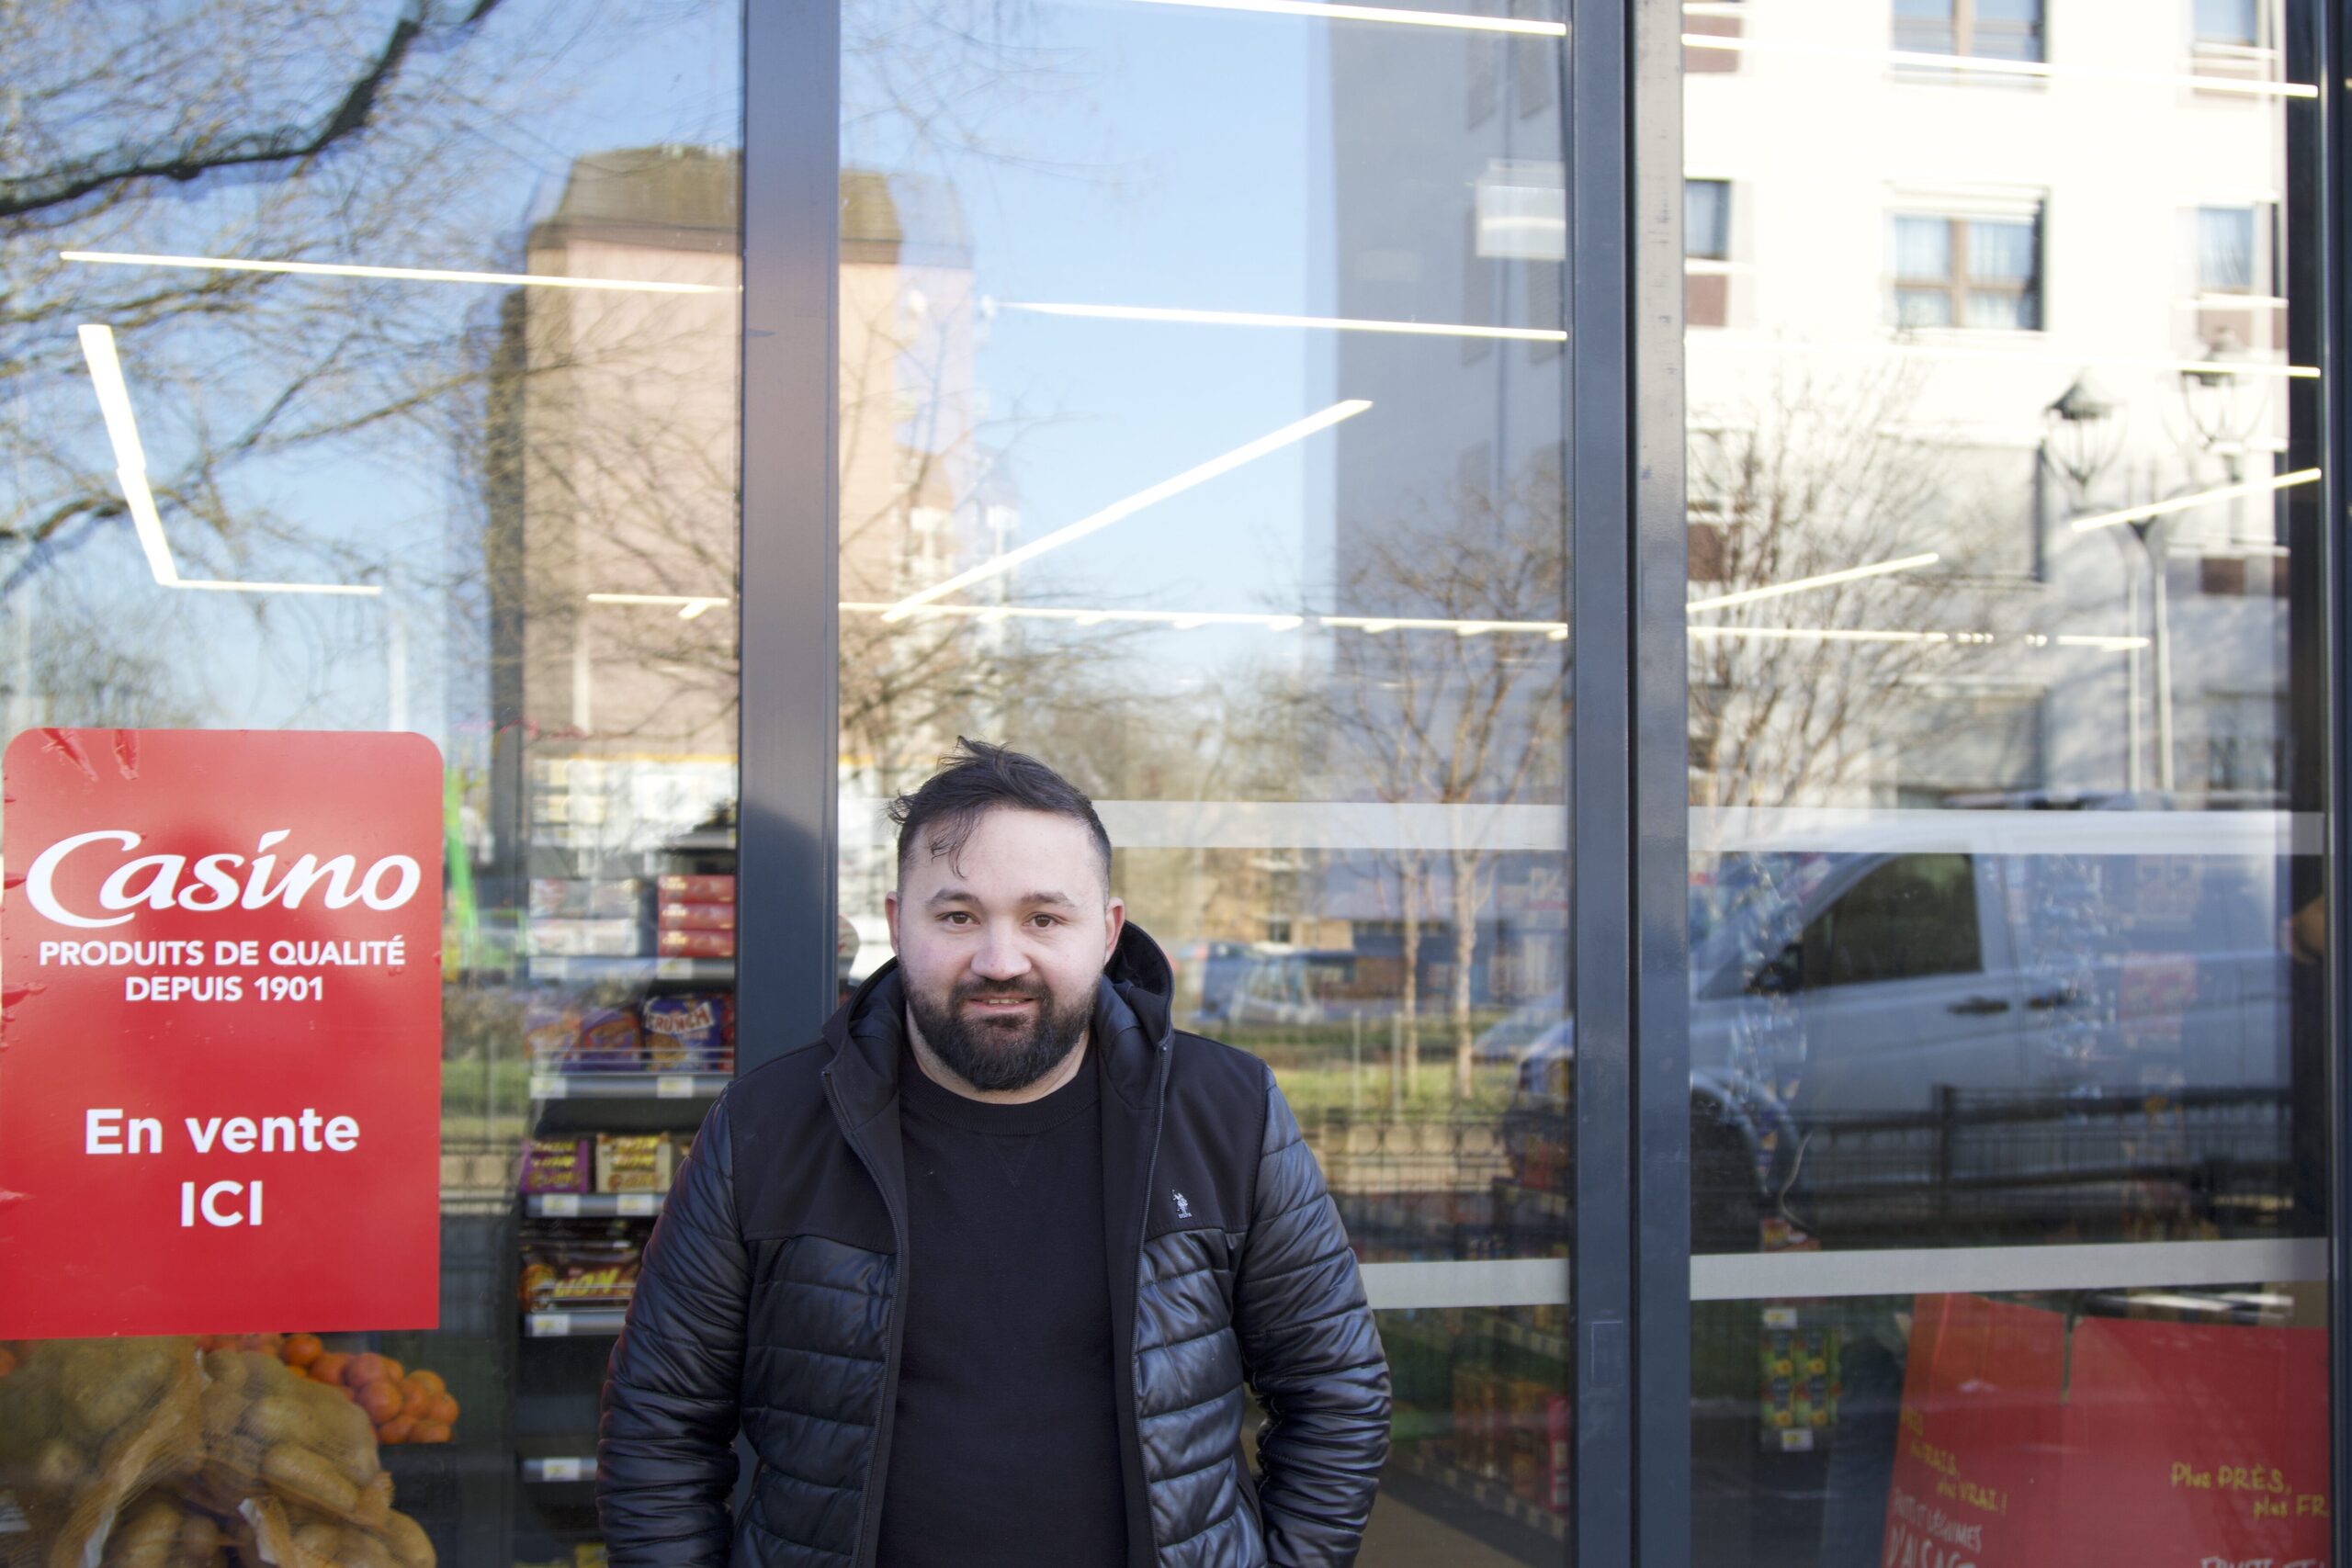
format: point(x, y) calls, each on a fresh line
point(974, 780)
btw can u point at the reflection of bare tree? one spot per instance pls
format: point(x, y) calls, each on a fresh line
point(1462, 714)
point(316, 130)
point(80, 671)
point(1800, 696)
point(925, 82)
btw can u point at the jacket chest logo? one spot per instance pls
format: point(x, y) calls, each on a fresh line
point(1184, 1209)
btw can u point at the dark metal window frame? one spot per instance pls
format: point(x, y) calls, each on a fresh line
point(1623, 429)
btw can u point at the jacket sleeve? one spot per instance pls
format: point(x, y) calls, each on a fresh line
point(665, 1457)
point(1309, 1348)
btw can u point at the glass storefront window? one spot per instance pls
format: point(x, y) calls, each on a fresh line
point(424, 321)
point(2009, 1096)
point(1202, 382)
point(1201, 417)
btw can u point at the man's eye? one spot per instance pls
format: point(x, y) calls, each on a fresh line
point(1044, 921)
point(957, 917)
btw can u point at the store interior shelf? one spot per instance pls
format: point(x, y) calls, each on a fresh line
point(560, 1468)
point(573, 1323)
point(592, 1205)
point(1494, 1496)
point(715, 971)
point(629, 1086)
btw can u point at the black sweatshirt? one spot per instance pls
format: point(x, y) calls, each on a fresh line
point(1005, 1444)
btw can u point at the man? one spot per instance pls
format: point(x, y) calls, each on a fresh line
point(981, 1274)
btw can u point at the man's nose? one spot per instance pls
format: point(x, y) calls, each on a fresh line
point(999, 956)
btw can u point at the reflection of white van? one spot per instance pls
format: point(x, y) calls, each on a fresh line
point(1965, 1036)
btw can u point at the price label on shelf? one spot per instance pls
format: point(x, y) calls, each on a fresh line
point(550, 1324)
point(560, 1205)
point(675, 1086)
point(635, 1203)
point(546, 1086)
point(562, 1469)
point(673, 968)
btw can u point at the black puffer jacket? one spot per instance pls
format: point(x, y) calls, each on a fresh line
point(770, 1297)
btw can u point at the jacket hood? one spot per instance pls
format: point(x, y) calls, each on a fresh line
point(1133, 1013)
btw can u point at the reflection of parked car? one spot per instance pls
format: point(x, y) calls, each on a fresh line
point(1290, 986)
point(1208, 975)
point(1528, 1028)
point(1962, 1039)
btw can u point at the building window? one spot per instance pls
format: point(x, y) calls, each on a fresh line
point(1706, 219)
point(1706, 242)
point(1967, 272)
point(2234, 275)
point(2230, 22)
point(2225, 250)
point(1987, 29)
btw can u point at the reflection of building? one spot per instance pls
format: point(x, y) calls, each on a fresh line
point(611, 545)
point(913, 507)
point(1939, 281)
point(1449, 205)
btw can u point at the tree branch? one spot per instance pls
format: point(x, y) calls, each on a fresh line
point(193, 157)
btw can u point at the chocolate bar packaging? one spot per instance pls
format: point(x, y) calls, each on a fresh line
point(629, 1162)
point(555, 1164)
point(695, 944)
point(609, 1041)
point(685, 916)
point(696, 889)
point(691, 1032)
point(571, 1266)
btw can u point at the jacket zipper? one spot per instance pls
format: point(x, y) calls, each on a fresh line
point(869, 1525)
point(1143, 1227)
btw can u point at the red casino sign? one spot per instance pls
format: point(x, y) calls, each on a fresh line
point(220, 1032)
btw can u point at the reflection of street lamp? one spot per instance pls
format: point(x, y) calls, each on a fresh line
point(2081, 436)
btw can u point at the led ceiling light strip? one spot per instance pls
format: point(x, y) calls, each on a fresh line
point(1248, 452)
point(130, 471)
point(2190, 503)
point(1265, 319)
point(690, 605)
point(1988, 66)
point(1182, 620)
point(130, 458)
point(1822, 634)
point(1375, 625)
point(2010, 357)
point(1799, 585)
point(1455, 20)
point(398, 274)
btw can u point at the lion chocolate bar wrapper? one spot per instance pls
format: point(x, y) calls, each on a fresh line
point(569, 1268)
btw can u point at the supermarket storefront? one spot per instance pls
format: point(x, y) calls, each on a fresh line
point(1711, 624)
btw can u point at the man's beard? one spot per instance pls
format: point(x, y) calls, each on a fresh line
point(998, 1054)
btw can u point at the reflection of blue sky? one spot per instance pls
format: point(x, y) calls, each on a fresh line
point(1191, 171)
point(382, 504)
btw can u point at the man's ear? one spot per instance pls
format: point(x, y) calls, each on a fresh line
point(1117, 922)
point(891, 916)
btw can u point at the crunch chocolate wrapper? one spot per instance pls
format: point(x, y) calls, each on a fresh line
point(687, 1032)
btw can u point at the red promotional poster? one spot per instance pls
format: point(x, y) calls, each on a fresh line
point(221, 1038)
point(2201, 1443)
point(1977, 1466)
